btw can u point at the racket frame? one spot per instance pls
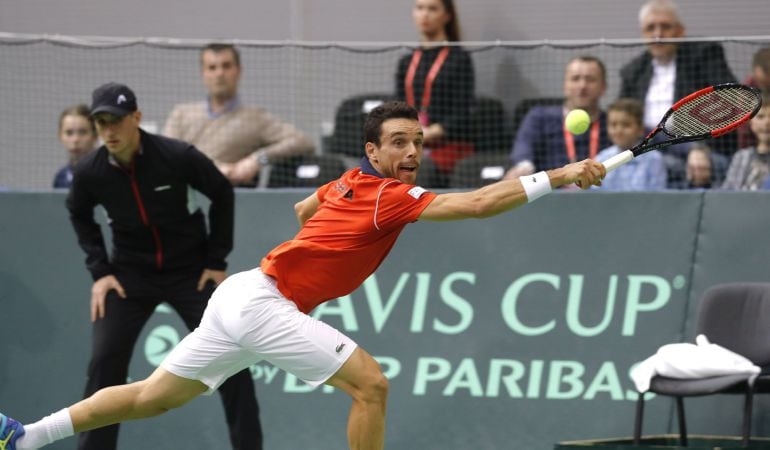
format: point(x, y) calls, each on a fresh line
point(644, 146)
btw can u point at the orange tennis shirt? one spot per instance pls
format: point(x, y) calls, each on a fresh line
point(359, 219)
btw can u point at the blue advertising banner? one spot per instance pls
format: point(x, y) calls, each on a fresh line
point(516, 332)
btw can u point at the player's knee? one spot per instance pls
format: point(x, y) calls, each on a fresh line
point(380, 387)
point(374, 387)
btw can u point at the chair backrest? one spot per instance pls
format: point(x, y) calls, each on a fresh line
point(348, 135)
point(737, 317)
point(305, 171)
point(479, 170)
point(489, 126)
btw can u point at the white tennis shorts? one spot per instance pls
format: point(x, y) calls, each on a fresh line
point(248, 320)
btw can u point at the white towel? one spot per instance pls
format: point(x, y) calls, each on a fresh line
point(690, 361)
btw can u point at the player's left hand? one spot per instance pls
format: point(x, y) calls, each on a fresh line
point(217, 276)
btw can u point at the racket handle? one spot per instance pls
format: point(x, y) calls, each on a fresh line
point(618, 160)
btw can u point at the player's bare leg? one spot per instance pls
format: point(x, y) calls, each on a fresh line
point(150, 397)
point(155, 395)
point(363, 380)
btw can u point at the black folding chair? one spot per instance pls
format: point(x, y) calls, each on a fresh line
point(735, 316)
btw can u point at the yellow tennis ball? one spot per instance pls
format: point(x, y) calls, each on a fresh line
point(577, 121)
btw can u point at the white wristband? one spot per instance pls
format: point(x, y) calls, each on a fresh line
point(536, 185)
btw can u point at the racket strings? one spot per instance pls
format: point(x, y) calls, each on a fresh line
point(712, 111)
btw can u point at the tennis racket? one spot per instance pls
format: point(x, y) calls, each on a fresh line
point(707, 113)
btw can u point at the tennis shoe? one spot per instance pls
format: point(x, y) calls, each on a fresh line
point(10, 431)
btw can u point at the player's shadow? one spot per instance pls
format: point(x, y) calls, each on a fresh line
point(26, 324)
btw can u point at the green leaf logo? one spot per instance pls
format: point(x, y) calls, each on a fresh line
point(159, 343)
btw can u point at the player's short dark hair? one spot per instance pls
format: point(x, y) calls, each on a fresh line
point(386, 111)
point(217, 47)
point(630, 106)
point(81, 110)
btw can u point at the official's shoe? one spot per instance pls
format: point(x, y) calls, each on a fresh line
point(10, 431)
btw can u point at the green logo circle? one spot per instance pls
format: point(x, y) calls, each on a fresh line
point(159, 343)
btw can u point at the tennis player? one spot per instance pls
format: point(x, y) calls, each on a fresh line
point(348, 226)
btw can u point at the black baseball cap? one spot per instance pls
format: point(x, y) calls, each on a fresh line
point(113, 98)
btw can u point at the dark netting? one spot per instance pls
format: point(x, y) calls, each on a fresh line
point(324, 91)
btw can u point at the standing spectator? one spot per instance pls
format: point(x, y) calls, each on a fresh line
point(542, 141)
point(77, 134)
point(625, 128)
point(239, 139)
point(161, 249)
point(750, 166)
point(759, 78)
point(438, 80)
point(668, 71)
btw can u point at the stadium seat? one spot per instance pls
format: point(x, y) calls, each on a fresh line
point(305, 171)
point(348, 138)
point(488, 123)
point(479, 170)
point(735, 316)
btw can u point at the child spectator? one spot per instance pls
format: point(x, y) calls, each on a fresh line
point(750, 166)
point(625, 127)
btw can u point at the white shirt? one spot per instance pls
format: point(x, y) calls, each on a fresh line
point(660, 94)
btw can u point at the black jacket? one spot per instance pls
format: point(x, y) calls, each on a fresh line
point(452, 93)
point(698, 65)
point(154, 225)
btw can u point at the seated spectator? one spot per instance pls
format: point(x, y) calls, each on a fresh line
point(750, 166)
point(438, 80)
point(766, 184)
point(759, 78)
point(542, 142)
point(704, 169)
point(239, 139)
point(78, 135)
point(625, 128)
point(666, 72)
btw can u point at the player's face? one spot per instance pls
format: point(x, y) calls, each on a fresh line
point(400, 150)
point(119, 134)
point(583, 84)
point(220, 73)
point(77, 136)
point(760, 125)
point(661, 24)
point(623, 129)
point(430, 17)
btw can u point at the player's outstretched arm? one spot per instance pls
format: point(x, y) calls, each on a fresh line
point(508, 194)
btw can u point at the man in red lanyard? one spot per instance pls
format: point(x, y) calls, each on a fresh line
point(543, 143)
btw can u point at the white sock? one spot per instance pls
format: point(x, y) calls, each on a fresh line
point(46, 430)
